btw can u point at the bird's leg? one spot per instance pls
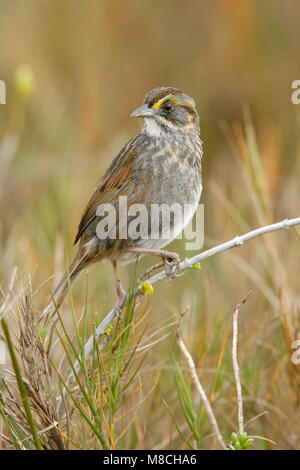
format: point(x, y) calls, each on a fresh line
point(120, 290)
point(170, 259)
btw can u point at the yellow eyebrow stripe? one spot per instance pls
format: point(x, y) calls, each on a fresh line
point(173, 99)
point(160, 102)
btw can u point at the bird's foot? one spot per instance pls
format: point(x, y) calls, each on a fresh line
point(171, 262)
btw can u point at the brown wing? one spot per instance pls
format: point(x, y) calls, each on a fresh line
point(117, 176)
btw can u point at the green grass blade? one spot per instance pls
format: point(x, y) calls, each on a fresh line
point(10, 427)
point(177, 427)
point(21, 387)
point(77, 405)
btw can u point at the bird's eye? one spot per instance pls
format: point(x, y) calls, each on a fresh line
point(168, 107)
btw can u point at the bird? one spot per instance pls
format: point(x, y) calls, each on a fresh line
point(161, 165)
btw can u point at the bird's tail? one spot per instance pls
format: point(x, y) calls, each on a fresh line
point(62, 288)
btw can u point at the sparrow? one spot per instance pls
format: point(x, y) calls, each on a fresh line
point(160, 166)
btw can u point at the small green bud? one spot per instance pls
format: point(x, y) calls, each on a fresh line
point(243, 437)
point(247, 444)
point(197, 266)
point(147, 288)
point(240, 441)
point(108, 330)
point(24, 81)
point(237, 445)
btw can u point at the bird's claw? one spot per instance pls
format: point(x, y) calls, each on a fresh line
point(171, 265)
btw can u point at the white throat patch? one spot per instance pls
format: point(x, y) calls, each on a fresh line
point(152, 128)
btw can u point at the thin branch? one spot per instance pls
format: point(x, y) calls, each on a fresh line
point(263, 438)
point(237, 241)
point(188, 263)
point(263, 413)
point(236, 366)
point(200, 389)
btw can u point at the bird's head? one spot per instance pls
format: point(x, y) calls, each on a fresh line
point(168, 109)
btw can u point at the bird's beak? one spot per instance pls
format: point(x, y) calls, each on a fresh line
point(143, 111)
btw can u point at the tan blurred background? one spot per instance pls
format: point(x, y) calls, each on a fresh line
point(92, 63)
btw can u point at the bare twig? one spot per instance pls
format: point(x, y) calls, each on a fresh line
point(263, 439)
point(149, 271)
point(236, 241)
point(200, 389)
point(263, 413)
point(236, 366)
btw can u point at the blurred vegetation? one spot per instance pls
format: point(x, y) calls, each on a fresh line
point(74, 71)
